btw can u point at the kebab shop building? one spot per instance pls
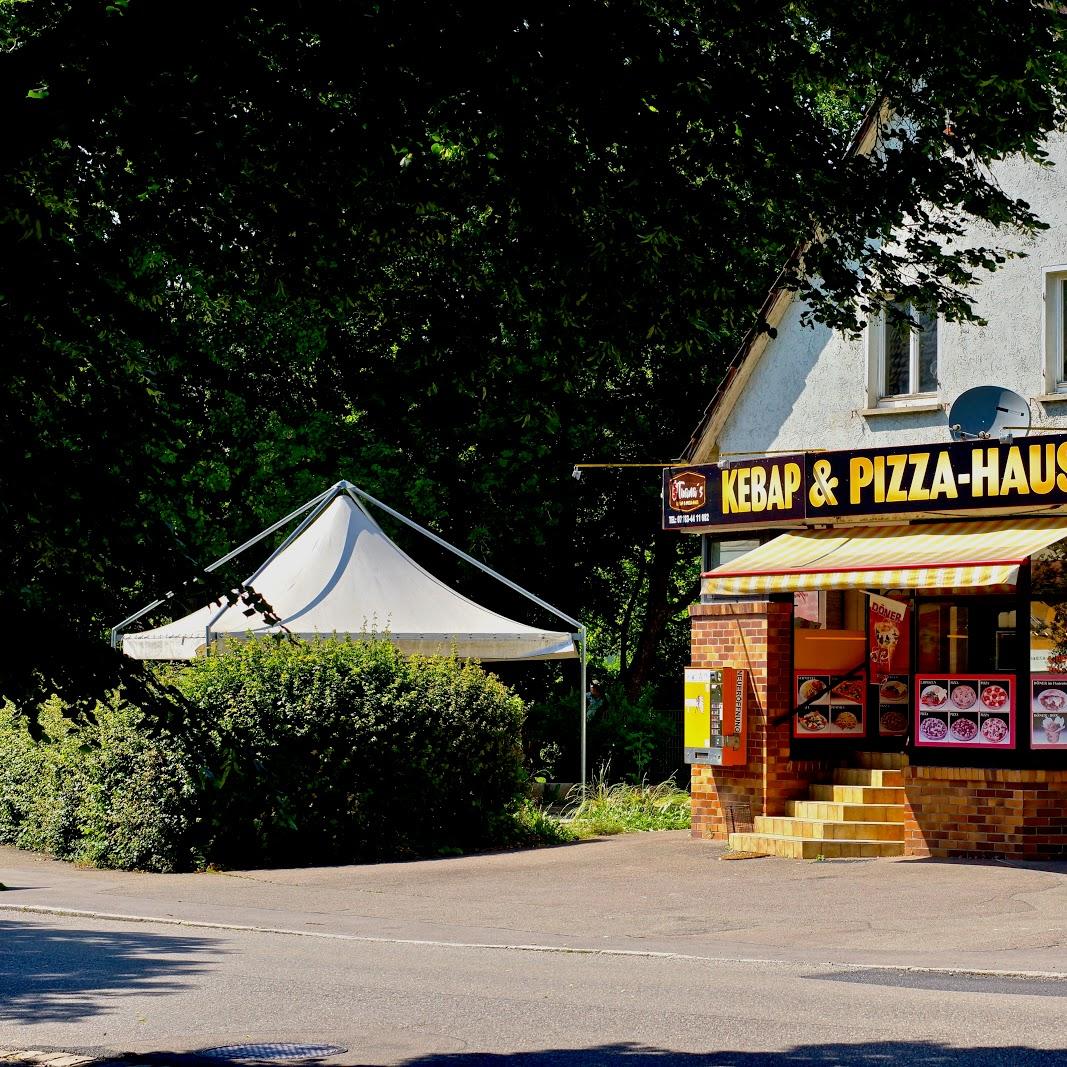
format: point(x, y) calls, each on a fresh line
point(879, 654)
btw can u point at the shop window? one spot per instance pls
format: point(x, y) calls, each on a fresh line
point(903, 358)
point(966, 637)
point(829, 610)
point(1048, 609)
point(1056, 330)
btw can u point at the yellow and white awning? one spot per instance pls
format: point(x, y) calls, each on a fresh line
point(940, 555)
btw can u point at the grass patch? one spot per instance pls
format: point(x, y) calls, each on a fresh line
point(623, 809)
point(530, 826)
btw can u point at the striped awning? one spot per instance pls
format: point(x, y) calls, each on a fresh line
point(943, 555)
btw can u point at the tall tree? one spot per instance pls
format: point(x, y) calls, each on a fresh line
point(449, 249)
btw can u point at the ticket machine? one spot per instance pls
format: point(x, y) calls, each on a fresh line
point(716, 716)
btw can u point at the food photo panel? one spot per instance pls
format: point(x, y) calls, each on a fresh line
point(964, 710)
point(828, 708)
point(892, 703)
point(1048, 711)
point(846, 719)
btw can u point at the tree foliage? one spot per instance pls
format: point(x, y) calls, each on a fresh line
point(446, 251)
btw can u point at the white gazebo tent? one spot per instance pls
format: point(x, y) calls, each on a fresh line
point(338, 574)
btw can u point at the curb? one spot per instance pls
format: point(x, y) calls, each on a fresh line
point(563, 950)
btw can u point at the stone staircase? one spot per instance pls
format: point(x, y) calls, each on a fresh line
point(860, 814)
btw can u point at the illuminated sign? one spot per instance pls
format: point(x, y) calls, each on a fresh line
point(968, 475)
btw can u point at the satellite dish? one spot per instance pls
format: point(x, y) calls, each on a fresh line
point(988, 412)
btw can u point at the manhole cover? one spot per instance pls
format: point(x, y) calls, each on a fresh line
point(271, 1051)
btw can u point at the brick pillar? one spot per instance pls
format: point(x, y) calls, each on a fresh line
point(756, 635)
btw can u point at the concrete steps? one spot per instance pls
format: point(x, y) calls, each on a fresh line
point(825, 811)
point(857, 794)
point(859, 814)
point(802, 848)
point(828, 829)
point(880, 779)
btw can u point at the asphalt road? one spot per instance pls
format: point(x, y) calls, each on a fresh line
point(76, 983)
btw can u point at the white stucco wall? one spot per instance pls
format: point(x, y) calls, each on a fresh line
point(809, 389)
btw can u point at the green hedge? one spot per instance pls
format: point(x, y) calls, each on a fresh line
point(291, 754)
point(108, 794)
point(337, 750)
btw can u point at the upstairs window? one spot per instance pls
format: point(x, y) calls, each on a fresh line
point(1056, 330)
point(904, 359)
point(908, 360)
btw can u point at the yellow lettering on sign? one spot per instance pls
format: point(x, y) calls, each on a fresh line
point(793, 477)
point(897, 466)
point(729, 500)
point(944, 481)
point(759, 489)
point(879, 479)
point(743, 476)
point(860, 475)
point(822, 492)
point(775, 497)
point(1061, 462)
point(1042, 474)
point(920, 461)
point(985, 472)
point(1014, 479)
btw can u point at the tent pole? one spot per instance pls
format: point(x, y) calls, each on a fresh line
point(331, 492)
point(354, 491)
point(309, 518)
point(582, 636)
point(463, 555)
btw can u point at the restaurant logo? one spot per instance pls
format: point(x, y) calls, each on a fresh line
point(687, 491)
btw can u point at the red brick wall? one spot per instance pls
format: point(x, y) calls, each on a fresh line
point(758, 636)
point(967, 811)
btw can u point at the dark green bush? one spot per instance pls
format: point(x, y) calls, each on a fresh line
point(107, 793)
point(337, 751)
point(290, 754)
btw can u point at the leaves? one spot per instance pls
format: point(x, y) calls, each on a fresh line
point(281, 244)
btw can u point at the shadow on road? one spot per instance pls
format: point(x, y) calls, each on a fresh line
point(864, 1054)
point(53, 974)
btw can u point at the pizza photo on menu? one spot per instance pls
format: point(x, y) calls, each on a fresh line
point(812, 722)
point(964, 727)
point(994, 729)
point(933, 728)
point(848, 690)
point(994, 695)
point(963, 695)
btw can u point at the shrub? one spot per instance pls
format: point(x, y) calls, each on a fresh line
point(289, 754)
point(106, 793)
point(336, 751)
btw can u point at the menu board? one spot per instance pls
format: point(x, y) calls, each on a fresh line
point(893, 697)
point(1048, 711)
point(965, 711)
point(837, 712)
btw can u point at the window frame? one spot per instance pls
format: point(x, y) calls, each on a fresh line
point(1056, 328)
point(877, 329)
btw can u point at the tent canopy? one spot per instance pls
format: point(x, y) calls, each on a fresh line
point(342, 576)
point(956, 555)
